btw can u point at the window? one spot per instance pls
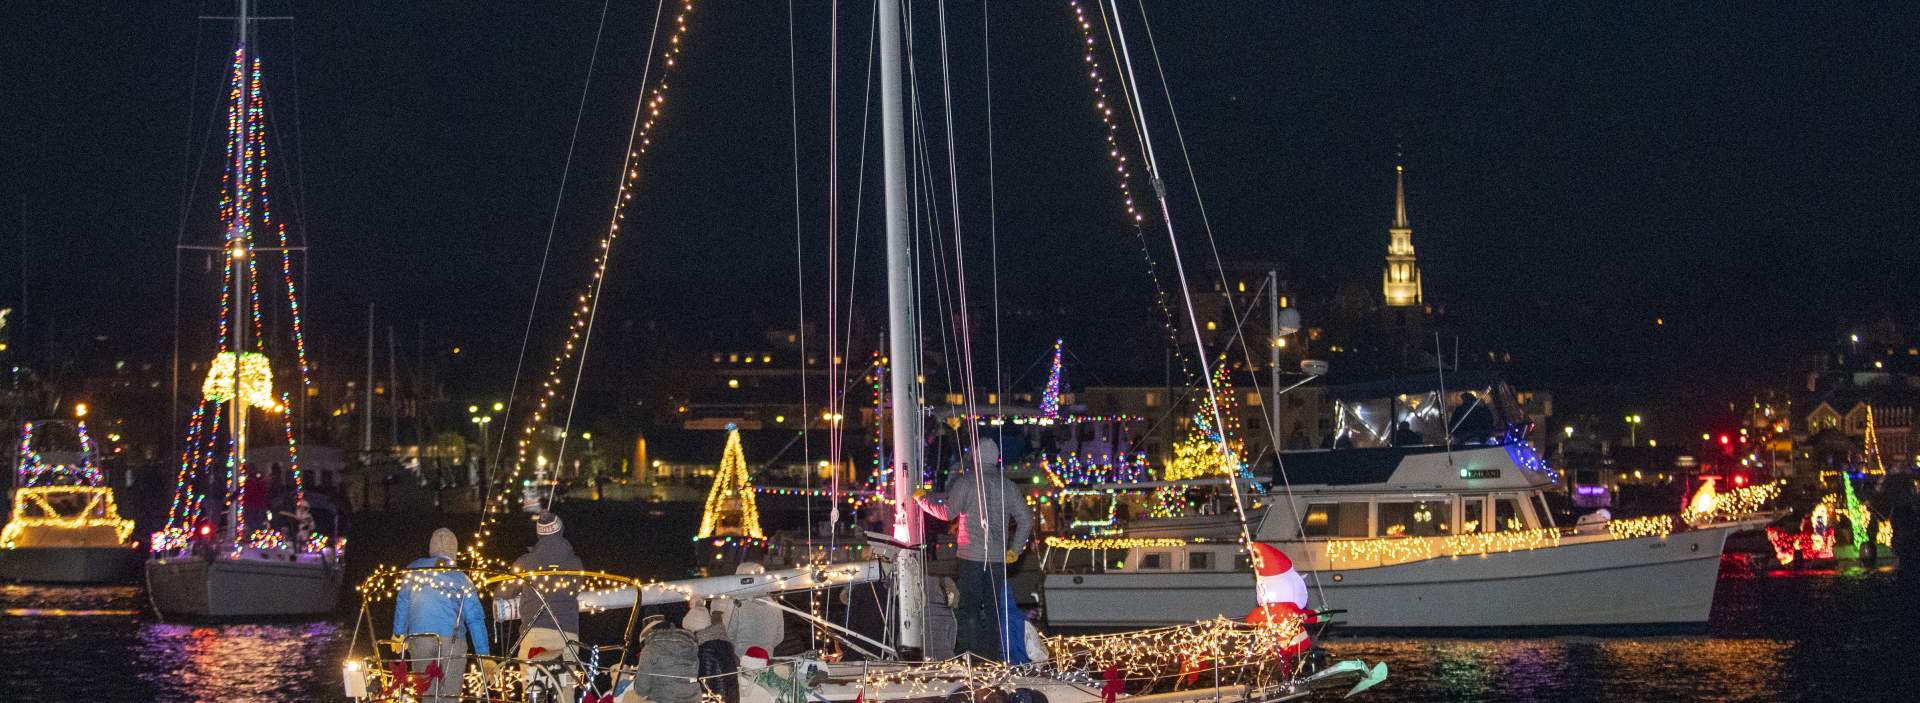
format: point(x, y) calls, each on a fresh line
point(1427, 518)
point(1473, 514)
point(1546, 513)
point(1336, 520)
point(1199, 561)
point(1155, 561)
point(1506, 515)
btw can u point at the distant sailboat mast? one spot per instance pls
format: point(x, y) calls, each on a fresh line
point(903, 340)
point(237, 245)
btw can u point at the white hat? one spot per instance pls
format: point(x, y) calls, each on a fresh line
point(697, 619)
point(988, 452)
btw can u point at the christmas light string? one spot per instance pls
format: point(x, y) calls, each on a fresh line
point(1136, 219)
point(550, 388)
point(731, 497)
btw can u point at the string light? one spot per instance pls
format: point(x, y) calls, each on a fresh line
point(731, 509)
point(1136, 219)
point(1649, 526)
point(1070, 469)
point(1108, 543)
point(1709, 504)
point(34, 509)
point(256, 380)
point(1349, 553)
point(33, 469)
point(1206, 453)
point(245, 204)
point(583, 303)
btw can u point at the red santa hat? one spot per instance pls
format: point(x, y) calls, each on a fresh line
point(756, 657)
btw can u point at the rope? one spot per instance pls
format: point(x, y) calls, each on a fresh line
point(800, 275)
point(1186, 293)
point(546, 251)
point(1273, 438)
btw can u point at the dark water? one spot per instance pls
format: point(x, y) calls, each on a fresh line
point(1775, 636)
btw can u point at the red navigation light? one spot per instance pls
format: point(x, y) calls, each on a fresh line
point(1739, 480)
point(206, 530)
point(1725, 440)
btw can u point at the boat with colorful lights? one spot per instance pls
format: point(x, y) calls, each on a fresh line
point(65, 526)
point(240, 539)
point(1426, 537)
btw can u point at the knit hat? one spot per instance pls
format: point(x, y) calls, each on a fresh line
point(442, 543)
point(546, 524)
point(697, 619)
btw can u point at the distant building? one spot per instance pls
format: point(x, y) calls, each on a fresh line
point(1400, 283)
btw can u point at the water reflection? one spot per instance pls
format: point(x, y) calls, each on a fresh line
point(240, 662)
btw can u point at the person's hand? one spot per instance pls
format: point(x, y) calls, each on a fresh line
point(921, 493)
point(1012, 556)
point(489, 669)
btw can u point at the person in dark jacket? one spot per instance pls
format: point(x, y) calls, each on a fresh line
point(668, 667)
point(717, 661)
point(1472, 421)
point(550, 609)
point(437, 610)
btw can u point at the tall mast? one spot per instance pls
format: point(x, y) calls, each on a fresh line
point(238, 244)
point(903, 339)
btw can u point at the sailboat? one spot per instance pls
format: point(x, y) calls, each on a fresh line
point(225, 551)
point(65, 527)
point(1218, 660)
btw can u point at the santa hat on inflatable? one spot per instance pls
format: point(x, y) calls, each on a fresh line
point(1282, 594)
point(756, 657)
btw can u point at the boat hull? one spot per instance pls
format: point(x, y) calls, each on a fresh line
point(225, 588)
point(1648, 582)
point(68, 564)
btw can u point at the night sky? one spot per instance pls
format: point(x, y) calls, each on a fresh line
point(1744, 171)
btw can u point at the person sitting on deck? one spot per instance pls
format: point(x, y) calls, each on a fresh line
point(1472, 421)
point(438, 611)
point(980, 508)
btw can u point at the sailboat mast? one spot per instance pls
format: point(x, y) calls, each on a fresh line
point(238, 245)
point(903, 339)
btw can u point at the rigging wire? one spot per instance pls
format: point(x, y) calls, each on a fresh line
point(1193, 180)
point(836, 400)
point(1186, 293)
point(800, 276)
point(546, 251)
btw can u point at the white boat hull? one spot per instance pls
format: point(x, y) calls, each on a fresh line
point(67, 564)
point(242, 587)
point(1650, 581)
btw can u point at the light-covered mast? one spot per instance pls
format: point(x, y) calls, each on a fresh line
point(238, 248)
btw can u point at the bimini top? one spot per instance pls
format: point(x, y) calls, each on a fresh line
point(1511, 466)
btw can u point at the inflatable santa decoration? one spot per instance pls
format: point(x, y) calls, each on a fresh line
point(1282, 594)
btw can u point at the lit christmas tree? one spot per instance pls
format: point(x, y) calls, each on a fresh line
point(731, 511)
point(1200, 454)
point(1872, 447)
point(1050, 398)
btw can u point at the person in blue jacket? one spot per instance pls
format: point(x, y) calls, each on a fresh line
point(437, 609)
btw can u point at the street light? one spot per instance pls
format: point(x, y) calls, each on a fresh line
point(1633, 430)
point(79, 410)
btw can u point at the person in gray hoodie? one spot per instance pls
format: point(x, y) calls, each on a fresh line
point(981, 509)
point(668, 668)
point(549, 608)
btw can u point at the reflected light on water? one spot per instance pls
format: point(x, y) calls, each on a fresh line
point(242, 662)
point(1561, 669)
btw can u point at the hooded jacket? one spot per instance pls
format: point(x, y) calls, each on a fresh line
point(964, 505)
point(438, 602)
point(556, 608)
point(755, 623)
point(668, 663)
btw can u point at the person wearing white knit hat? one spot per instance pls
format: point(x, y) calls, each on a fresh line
point(550, 609)
point(982, 503)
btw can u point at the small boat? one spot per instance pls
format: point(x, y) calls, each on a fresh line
point(240, 539)
point(1416, 538)
point(65, 527)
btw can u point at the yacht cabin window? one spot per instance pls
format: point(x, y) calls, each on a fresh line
point(1155, 561)
point(1424, 518)
point(1473, 514)
point(1543, 514)
point(1199, 561)
point(1507, 515)
point(1344, 519)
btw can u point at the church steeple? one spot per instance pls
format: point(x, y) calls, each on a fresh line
point(1400, 282)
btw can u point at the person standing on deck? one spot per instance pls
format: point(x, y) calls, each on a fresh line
point(437, 610)
point(982, 506)
point(550, 609)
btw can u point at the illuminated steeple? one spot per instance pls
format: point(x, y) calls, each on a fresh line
point(1400, 282)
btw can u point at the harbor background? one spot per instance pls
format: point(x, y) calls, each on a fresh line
point(1775, 634)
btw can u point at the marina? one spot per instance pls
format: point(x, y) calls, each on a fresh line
point(907, 351)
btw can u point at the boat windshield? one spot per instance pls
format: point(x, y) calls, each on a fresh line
point(1420, 411)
